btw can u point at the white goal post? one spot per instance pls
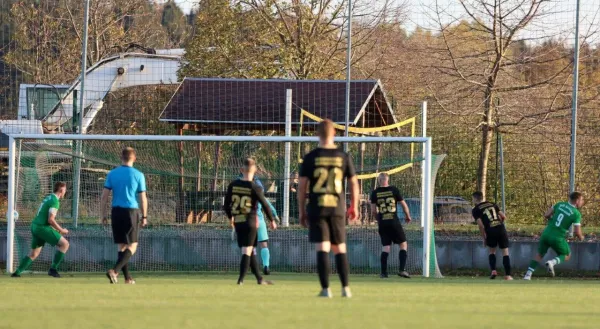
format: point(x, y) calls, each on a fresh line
point(425, 181)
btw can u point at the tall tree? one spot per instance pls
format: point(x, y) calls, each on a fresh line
point(311, 35)
point(48, 36)
point(298, 39)
point(230, 42)
point(481, 55)
point(175, 23)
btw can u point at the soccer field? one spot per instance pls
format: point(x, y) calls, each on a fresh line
point(214, 301)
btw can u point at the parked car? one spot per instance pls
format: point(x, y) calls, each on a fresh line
point(446, 209)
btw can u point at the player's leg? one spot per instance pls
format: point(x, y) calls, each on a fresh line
point(386, 244)
point(337, 227)
point(241, 230)
point(128, 278)
point(61, 249)
point(265, 255)
point(46, 234)
point(491, 240)
point(503, 244)
point(244, 263)
point(318, 232)
point(254, 263)
point(37, 243)
point(128, 227)
point(506, 264)
point(400, 239)
point(563, 252)
point(534, 263)
point(27, 260)
point(385, 252)
point(492, 262)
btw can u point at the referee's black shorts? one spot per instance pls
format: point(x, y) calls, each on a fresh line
point(246, 234)
point(125, 224)
point(391, 233)
point(327, 228)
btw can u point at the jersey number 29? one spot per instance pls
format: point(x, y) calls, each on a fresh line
point(240, 204)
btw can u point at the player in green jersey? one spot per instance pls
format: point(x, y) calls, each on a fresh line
point(560, 218)
point(45, 229)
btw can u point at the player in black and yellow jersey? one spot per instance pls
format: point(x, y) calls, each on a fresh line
point(491, 226)
point(384, 205)
point(322, 177)
point(241, 204)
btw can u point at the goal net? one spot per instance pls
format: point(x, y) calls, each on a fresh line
point(186, 181)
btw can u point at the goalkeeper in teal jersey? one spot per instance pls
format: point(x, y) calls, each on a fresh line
point(45, 229)
point(560, 218)
point(263, 235)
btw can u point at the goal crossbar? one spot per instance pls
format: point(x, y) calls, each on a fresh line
point(258, 139)
point(426, 179)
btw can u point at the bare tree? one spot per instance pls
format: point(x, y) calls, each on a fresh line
point(311, 35)
point(482, 52)
point(48, 35)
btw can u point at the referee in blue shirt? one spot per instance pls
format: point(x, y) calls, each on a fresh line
point(128, 185)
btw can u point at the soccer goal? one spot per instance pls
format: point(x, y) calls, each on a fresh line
point(186, 180)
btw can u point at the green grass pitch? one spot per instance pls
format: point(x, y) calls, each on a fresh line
point(214, 301)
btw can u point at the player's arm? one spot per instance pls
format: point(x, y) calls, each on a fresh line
point(301, 195)
point(400, 200)
point(103, 205)
point(266, 207)
point(374, 210)
point(374, 207)
point(577, 228)
point(482, 230)
point(144, 203)
point(142, 197)
point(104, 199)
point(354, 197)
point(273, 211)
point(549, 213)
point(406, 211)
point(477, 217)
point(578, 232)
point(354, 188)
point(52, 221)
point(227, 203)
point(502, 216)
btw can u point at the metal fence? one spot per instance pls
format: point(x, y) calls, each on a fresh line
point(480, 79)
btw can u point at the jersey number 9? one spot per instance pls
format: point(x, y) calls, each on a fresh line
point(328, 181)
point(241, 205)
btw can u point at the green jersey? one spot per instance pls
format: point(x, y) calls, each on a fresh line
point(563, 217)
point(49, 205)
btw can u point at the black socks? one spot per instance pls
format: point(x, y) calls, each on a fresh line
point(492, 259)
point(384, 258)
point(506, 263)
point(254, 268)
point(323, 268)
point(341, 263)
point(125, 268)
point(244, 263)
point(123, 260)
point(403, 256)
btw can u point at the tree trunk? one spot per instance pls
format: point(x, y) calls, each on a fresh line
point(487, 131)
